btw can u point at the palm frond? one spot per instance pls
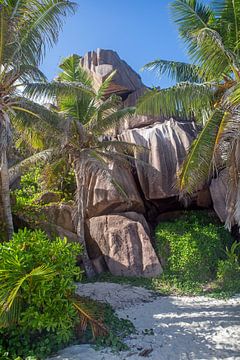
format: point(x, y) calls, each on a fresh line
point(227, 22)
point(184, 100)
point(97, 326)
point(24, 73)
point(105, 85)
point(18, 169)
point(190, 16)
point(214, 58)
point(49, 92)
point(36, 35)
point(199, 164)
point(72, 71)
point(175, 70)
point(12, 279)
point(232, 97)
point(108, 122)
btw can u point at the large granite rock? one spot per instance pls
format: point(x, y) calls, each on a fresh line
point(60, 215)
point(124, 241)
point(101, 63)
point(218, 190)
point(112, 192)
point(126, 83)
point(166, 146)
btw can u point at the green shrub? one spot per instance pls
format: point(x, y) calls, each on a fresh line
point(54, 177)
point(191, 246)
point(228, 272)
point(37, 276)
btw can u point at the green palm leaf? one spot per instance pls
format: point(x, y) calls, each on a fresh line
point(185, 101)
point(12, 279)
point(175, 70)
point(51, 91)
point(198, 166)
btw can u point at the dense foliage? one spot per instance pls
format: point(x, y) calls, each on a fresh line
point(192, 246)
point(228, 272)
point(37, 282)
point(43, 178)
point(28, 29)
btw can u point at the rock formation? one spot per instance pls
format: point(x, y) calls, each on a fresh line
point(117, 233)
point(124, 241)
point(166, 146)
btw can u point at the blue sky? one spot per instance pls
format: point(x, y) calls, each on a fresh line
point(139, 30)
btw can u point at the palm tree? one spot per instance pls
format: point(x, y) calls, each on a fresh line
point(27, 29)
point(207, 91)
point(87, 116)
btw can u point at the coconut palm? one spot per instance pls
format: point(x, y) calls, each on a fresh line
point(27, 29)
point(87, 116)
point(207, 91)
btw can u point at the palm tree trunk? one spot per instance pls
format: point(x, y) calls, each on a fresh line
point(5, 195)
point(81, 210)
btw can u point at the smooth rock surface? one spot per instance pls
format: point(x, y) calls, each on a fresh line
point(168, 328)
point(101, 63)
point(218, 190)
point(124, 241)
point(60, 215)
point(49, 197)
point(112, 192)
point(167, 145)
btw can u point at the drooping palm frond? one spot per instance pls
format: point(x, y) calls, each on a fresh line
point(17, 170)
point(23, 73)
point(175, 70)
point(103, 124)
point(200, 162)
point(185, 101)
point(190, 16)
point(49, 92)
point(36, 35)
point(121, 146)
point(12, 280)
point(232, 97)
point(73, 72)
point(36, 125)
point(105, 85)
point(215, 59)
point(227, 22)
point(194, 20)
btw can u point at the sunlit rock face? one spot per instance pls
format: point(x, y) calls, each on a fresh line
point(101, 63)
point(110, 192)
point(166, 147)
point(126, 83)
point(124, 241)
point(218, 189)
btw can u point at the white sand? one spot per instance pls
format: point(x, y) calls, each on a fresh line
point(178, 328)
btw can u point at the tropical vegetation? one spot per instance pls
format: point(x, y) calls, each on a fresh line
point(86, 115)
point(207, 91)
point(26, 33)
point(72, 135)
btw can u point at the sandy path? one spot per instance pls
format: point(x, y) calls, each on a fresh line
point(178, 328)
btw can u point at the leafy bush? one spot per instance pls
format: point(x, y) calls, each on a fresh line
point(228, 272)
point(52, 177)
point(191, 246)
point(37, 276)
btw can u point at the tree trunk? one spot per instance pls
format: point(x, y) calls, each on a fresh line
point(5, 195)
point(81, 210)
